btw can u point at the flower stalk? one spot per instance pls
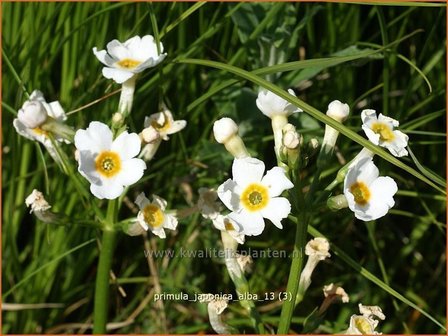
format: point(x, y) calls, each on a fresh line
point(240, 281)
point(101, 301)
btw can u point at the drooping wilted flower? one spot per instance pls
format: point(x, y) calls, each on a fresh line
point(369, 195)
point(252, 197)
point(124, 60)
point(380, 130)
point(109, 165)
point(365, 324)
point(224, 223)
point(152, 215)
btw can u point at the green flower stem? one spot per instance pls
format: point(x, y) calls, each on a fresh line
point(294, 274)
point(240, 281)
point(101, 303)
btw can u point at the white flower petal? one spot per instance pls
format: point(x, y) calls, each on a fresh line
point(252, 223)
point(97, 137)
point(87, 167)
point(176, 126)
point(127, 145)
point(119, 76)
point(117, 50)
point(277, 209)
point(368, 116)
point(159, 201)
point(109, 189)
point(160, 232)
point(247, 170)
point(170, 222)
point(131, 171)
point(388, 120)
point(104, 57)
point(229, 194)
point(371, 135)
point(56, 111)
point(276, 181)
point(142, 201)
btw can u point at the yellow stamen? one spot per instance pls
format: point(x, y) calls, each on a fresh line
point(161, 127)
point(385, 132)
point(128, 63)
point(40, 131)
point(153, 215)
point(363, 326)
point(255, 197)
point(108, 164)
point(361, 192)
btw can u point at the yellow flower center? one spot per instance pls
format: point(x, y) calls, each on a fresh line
point(161, 127)
point(108, 163)
point(255, 197)
point(128, 63)
point(363, 326)
point(361, 192)
point(40, 131)
point(385, 132)
point(153, 215)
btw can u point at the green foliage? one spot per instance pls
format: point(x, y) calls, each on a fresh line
point(325, 51)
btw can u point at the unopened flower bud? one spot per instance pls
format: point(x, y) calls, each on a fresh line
point(338, 111)
point(291, 139)
point(117, 120)
point(225, 131)
point(338, 202)
point(32, 114)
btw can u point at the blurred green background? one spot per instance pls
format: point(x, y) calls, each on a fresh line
point(49, 47)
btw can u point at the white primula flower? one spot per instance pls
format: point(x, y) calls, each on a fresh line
point(369, 195)
point(380, 131)
point(365, 324)
point(152, 215)
point(225, 131)
point(124, 60)
point(252, 197)
point(278, 109)
point(224, 223)
point(164, 123)
point(338, 111)
point(33, 114)
point(272, 105)
point(109, 165)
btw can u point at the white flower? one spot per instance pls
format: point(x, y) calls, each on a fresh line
point(278, 109)
point(365, 323)
point(224, 129)
point(291, 139)
point(338, 111)
point(369, 196)
point(252, 197)
point(37, 202)
point(109, 165)
point(164, 123)
point(224, 223)
point(124, 60)
point(152, 215)
point(361, 325)
point(380, 131)
point(33, 114)
point(271, 104)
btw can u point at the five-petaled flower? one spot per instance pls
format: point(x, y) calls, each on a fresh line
point(124, 60)
point(368, 195)
point(33, 114)
point(164, 123)
point(252, 197)
point(152, 215)
point(109, 165)
point(380, 131)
